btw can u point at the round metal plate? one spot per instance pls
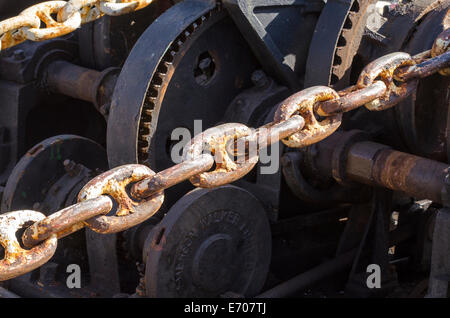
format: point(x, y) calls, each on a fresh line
point(42, 166)
point(211, 241)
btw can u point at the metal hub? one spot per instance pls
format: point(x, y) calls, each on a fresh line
point(46, 160)
point(208, 245)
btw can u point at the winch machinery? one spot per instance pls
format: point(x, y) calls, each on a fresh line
point(349, 99)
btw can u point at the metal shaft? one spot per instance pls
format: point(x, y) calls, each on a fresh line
point(373, 164)
point(81, 83)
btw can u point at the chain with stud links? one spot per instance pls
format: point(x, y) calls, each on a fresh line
point(37, 23)
point(217, 156)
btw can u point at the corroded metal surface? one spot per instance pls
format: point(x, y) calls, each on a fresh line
point(18, 261)
point(303, 102)
point(351, 98)
point(172, 176)
point(70, 15)
point(442, 45)
point(66, 221)
point(384, 68)
point(129, 212)
point(216, 139)
point(234, 148)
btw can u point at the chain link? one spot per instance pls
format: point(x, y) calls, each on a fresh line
point(70, 16)
point(305, 118)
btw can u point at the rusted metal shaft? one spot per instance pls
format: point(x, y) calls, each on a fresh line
point(81, 83)
point(375, 164)
point(348, 156)
point(423, 69)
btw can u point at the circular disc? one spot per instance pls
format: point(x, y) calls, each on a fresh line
point(43, 164)
point(211, 241)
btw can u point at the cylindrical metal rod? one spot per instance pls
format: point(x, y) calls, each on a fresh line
point(372, 164)
point(376, 164)
point(72, 80)
point(310, 277)
point(68, 79)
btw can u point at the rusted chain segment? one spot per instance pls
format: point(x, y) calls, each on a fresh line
point(214, 140)
point(53, 28)
point(70, 16)
point(441, 45)
point(172, 176)
point(18, 261)
point(229, 146)
point(351, 99)
point(384, 68)
point(129, 213)
point(66, 221)
point(424, 69)
point(267, 135)
point(303, 103)
point(11, 30)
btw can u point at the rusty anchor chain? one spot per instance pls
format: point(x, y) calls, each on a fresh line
point(231, 150)
point(70, 16)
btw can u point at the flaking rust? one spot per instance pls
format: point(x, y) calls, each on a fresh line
point(217, 139)
point(304, 103)
point(18, 261)
point(384, 68)
point(129, 212)
point(442, 44)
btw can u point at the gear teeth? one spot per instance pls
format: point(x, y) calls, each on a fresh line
point(356, 12)
point(158, 81)
point(147, 112)
point(146, 125)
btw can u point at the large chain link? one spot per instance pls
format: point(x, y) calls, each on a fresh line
point(303, 119)
point(70, 16)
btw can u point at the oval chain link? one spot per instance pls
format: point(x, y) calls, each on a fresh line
point(296, 123)
point(70, 16)
point(17, 260)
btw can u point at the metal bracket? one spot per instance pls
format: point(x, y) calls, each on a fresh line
point(261, 21)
